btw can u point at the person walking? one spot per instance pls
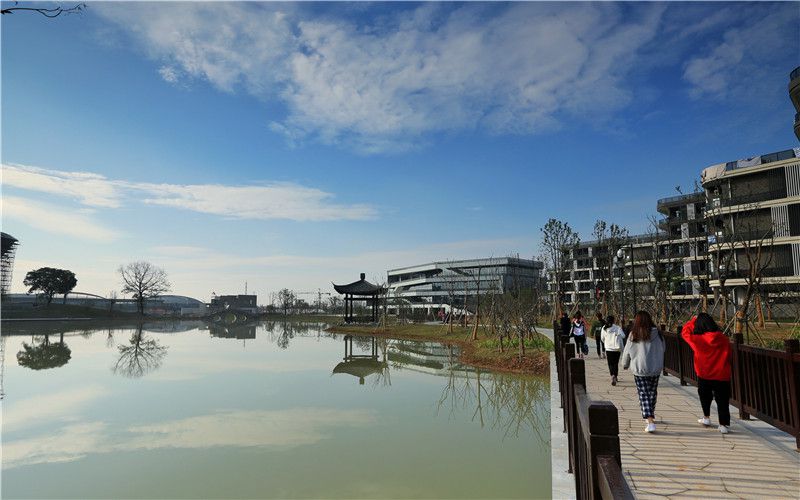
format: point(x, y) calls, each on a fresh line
point(578, 332)
point(565, 324)
point(644, 354)
point(597, 328)
point(613, 339)
point(712, 364)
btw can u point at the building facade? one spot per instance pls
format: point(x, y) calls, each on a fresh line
point(754, 205)
point(243, 303)
point(794, 95)
point(443, 285)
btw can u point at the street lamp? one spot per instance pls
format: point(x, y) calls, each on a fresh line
point(620, 255)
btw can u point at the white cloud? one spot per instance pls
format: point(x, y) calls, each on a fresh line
point(240, 428)
point(169, 74)
point(56, 219)
point(385, 83)
point(745, 59)
point(49, 407)
point(88, 188)
point(260, 202)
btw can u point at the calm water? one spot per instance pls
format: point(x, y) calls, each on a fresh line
point(186, 410)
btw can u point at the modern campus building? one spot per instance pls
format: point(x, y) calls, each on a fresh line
point(683, 244)
point(243, 303)
point(446, 284)
point(752, 199)
point(754, 203)
point(794, 95)
point(163, 305)
point(9, 248)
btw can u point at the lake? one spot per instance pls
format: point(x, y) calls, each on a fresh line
point(267, 410)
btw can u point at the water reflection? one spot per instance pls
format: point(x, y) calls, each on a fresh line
point(510, 404)
point(44, 355)
point(141, 356)
point(364, 365)
point(241, 332)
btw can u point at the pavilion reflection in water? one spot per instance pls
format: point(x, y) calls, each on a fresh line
point(363, 365)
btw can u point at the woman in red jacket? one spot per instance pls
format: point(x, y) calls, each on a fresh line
point(712, 363)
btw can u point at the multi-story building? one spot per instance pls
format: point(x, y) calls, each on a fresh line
point(436, 285)
point(674, 254)
point(683, 245)
point(243, 303)
point(794, 94)
point(755, 203)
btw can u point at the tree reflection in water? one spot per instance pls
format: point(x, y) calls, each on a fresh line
point(140, 357)
point(509, 403)
point(44, 355)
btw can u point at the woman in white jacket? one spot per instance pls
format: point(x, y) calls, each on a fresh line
point(613, 339)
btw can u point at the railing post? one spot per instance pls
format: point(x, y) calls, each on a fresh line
point(738, 375)
point(568, 352)
point(793, 347)
point(662, 329)
point(678, 342)
point(577, 376)
point(604, 440)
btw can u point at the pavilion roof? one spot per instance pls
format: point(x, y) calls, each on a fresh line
point(360, 368)
point(360, 287)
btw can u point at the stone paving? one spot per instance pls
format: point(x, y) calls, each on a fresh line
point(683, 459)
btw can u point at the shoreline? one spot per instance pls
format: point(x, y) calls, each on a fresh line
point(535, 362)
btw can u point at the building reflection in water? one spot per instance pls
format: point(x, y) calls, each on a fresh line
point(43, 355)
point(142, 355)
point(364, 365)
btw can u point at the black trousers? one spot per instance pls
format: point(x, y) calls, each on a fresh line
point(612, 357)
point(600, 346)
point(719, 391)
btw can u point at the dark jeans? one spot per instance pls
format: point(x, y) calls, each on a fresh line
point(719, 391)
point(600, 347)
point(612, 357)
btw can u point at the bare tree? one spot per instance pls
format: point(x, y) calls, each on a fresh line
point(140, 356)
point(558, 239)
point(54, 12)
point(143, 280)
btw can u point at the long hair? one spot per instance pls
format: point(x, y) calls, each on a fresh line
point(578, 315)
point(705, 323)
point(609, 321)
point(642, 325)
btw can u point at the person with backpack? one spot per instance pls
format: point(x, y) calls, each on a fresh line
point(644, 354)
point(578, 332)
point(597, 328)
point(712, 364)
point(613, 339)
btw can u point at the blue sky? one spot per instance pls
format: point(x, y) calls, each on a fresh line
point(291, 145)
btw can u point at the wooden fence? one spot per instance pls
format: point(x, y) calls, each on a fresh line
point(765, 383)
point(592, 428)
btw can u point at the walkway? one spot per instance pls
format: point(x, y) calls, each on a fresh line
point(685, 460)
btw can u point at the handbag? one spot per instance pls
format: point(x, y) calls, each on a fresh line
point(585, 348)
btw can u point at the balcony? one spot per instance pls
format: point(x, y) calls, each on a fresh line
point(746, 199)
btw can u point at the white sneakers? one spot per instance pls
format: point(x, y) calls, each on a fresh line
point(651, 427)
point(704, 421)
point(724, 429)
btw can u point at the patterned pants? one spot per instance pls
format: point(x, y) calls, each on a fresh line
point(647, 387)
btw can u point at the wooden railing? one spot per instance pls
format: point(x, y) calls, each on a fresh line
point(592, 428)
point(765, 383)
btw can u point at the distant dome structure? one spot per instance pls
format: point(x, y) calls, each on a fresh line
point(9, 248)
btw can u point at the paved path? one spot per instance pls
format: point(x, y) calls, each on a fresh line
point(686, 460)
